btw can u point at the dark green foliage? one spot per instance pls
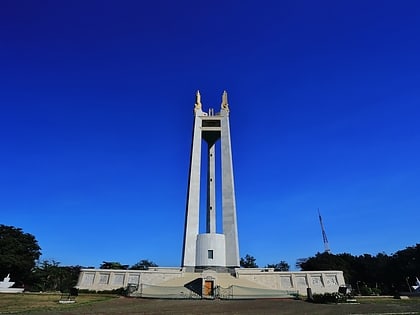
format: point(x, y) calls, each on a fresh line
point(50, 276)
point(119, 291)
point(19, 252)
point(365, 290)
point(248, 262)
point(326, 261)
point(281, 266)
point(300, 261)
point(143, 264)
point(371, 275)
point(112, 265)
point(327, 298)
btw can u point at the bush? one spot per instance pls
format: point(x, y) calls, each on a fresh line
point(365, 290)
point(329, 298)
point(119, 291)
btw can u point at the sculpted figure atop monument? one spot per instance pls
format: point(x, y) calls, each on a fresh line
point(225, 104)
point(197, 101)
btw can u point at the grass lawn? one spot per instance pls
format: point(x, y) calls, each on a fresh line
point(40, 304)
point(28, 302)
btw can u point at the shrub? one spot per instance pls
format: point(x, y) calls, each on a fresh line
point(119, 291)
point(329, 298)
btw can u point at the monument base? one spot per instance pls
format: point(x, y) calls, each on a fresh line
point(230, 270)
point(11, 290)
point(242, 283)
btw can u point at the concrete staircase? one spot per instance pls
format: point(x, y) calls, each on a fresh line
point(223, 280)
point(209, 285)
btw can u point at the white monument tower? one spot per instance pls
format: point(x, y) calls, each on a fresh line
point(211, 249)
point(210, 256)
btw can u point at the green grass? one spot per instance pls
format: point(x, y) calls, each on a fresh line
point(44, 303)
point(26, 302)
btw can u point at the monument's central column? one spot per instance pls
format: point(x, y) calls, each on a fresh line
point(211, 190)
point(211, 249)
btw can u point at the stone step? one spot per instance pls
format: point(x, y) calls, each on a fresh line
point(223, 280)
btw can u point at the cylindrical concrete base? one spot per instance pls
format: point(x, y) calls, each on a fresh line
point(211, 250)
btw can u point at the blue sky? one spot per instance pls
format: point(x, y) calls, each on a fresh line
point(96, 102)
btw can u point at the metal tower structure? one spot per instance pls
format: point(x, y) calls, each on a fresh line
point(324, 235)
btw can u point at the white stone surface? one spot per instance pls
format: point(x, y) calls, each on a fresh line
point(191, 228)
point(318, 281)
point(105, 279)
point(215, 243)
point(211, 128)
point(230, 228)
point(6, 283)
point(6, 286)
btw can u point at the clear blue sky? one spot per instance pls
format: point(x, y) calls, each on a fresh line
point(96, 102)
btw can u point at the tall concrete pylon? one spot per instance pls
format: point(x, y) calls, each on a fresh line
point(211, 249)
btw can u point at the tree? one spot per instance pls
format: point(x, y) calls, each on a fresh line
point(325, 261)
point(281, 266)
point(50, 276)
point(143, 264)
point(300, 261)
point(47, 276)
point(19, 252)
point(380, 274)
point(112, 265)
point(367, 274)
point(405, 266)
point(248, 262)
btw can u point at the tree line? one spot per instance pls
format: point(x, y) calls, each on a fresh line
point(48, 275)
point(250, 262)
point(19, 257)
point(367, 274)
